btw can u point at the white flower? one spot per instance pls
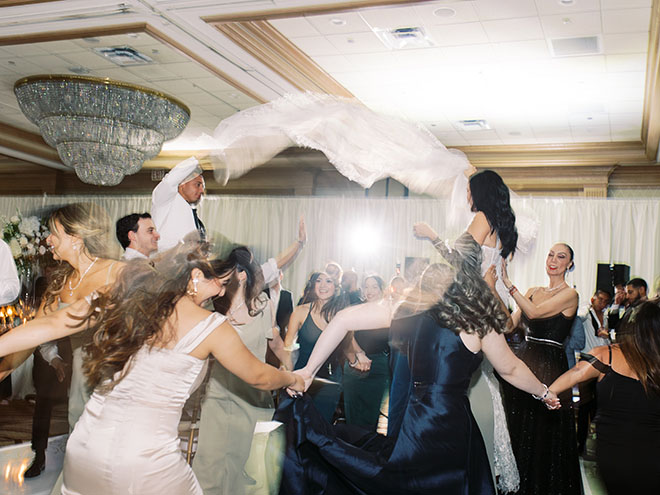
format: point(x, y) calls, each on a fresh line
point(14, 219)
point(23, 241)
point(15, 248)
point(29, 226)
point(30, 250)
point(42, 250)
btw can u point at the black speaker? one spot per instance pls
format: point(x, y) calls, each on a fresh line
point(609, 276)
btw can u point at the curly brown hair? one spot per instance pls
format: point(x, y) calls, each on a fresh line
point(133, 312)
point(468, 304)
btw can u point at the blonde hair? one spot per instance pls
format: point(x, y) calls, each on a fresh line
point(89, 222)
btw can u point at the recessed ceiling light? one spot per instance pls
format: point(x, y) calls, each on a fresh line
point(515, 133)
point(133, 35)
point(444, 12)
point(79, 70)
point(91, 40)
point(337, 21)
point(566, 20)
point(566, 3)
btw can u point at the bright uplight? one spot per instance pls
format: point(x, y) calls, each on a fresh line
point(365, 239)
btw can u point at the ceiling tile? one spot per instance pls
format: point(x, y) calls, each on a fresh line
point(424, 57)
point(179, 87)
point(357, 43)
point(622, 4)
point(549, 7)
point(339, 23)
point(463, 12)
point(566, 26)
point(121, 74)
point(626, 20)
point(89, 60)
point(334, 63)
point(188, 70)
point(631, 62)
point(212, 84)
point(626, 43)
point(635, 80)
point(588, 120)
point(60, 47)
point(163, 55)
point(528, 28)
point(505, 9)
point(26, 50)
point(391, 18)
point(570, 66)
point(469, 54)
point(371, 61)
point(19, 66)
point(626, 106)
point(458, 34)
point(550, 131)
point(451, 138)
point(316, 45)
point(294, 27)
point(626, 119)
point(590, 130)
point(522, 50)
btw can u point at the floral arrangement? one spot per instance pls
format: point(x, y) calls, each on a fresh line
point(26, 238)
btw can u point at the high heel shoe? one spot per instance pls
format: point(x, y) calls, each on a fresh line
point(37, 466)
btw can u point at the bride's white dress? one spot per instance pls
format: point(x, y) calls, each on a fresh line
point(126, 442)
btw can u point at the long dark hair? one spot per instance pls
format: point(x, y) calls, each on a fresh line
point(490, 195)
point(467, 304)
point(639, 340)
point(134, 311)
point(337, 302)
point(240, 259)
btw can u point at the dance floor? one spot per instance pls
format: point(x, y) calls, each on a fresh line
point(15, 459)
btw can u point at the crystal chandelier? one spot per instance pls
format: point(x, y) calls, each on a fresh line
point(101, 128)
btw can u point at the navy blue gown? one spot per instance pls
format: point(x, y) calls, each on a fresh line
point(433, 446)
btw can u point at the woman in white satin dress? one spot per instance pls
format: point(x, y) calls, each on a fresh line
point(494, 228)
point(151, 339)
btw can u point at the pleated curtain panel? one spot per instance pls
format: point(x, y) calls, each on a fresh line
point(374, 235)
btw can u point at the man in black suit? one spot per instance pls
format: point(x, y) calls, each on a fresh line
point(634, 294)
point(283, 303)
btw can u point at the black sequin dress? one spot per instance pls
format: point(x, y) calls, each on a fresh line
point(544, 441)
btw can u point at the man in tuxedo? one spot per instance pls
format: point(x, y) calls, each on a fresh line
point(624, 302)
point(283, 304)
point(138, 236)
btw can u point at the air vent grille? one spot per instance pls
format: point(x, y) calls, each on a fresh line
point(571, 47)
point(124, 56)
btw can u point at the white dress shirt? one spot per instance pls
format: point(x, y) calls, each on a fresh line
point(132, 254)
point(9, 284)
point(591, 340)
point(172, 214)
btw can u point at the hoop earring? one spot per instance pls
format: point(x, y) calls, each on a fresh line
point(193, 292)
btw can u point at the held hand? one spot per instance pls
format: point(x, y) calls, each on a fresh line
point(552, 401)
point(604, 333)
point(60, 368)
point(423, 230)
point(491, 276)
point(620, 297)
point(363, 362)
point(302, 231)
point(305, 381)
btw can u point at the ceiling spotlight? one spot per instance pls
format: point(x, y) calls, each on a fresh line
point(444, 12)
point(566, 21)
point(566, 3)
point(337, 21)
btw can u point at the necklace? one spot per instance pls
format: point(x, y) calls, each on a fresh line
point(552, 289)
point(232, 311)
point(71, 289)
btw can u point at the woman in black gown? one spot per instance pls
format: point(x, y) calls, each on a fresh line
point(434, 445)
point(628, 415)
point(543, 441)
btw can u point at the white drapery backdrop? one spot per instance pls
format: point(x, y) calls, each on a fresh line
point(373, 235)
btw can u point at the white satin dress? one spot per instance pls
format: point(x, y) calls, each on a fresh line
point(126, 441)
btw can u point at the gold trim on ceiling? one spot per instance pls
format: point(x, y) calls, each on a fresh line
point(327, 8)
point(651, 116)
point(265, 43)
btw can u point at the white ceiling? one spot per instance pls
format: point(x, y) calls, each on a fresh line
point(490, 59)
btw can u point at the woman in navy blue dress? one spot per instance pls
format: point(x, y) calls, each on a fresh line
point(434, 445)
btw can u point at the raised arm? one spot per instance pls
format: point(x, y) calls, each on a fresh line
point(513, 370)
point(368, 316)
point(227, 347)
point(168, 187)
point(286, 257)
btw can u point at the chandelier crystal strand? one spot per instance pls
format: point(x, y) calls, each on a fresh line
point(102, 129)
